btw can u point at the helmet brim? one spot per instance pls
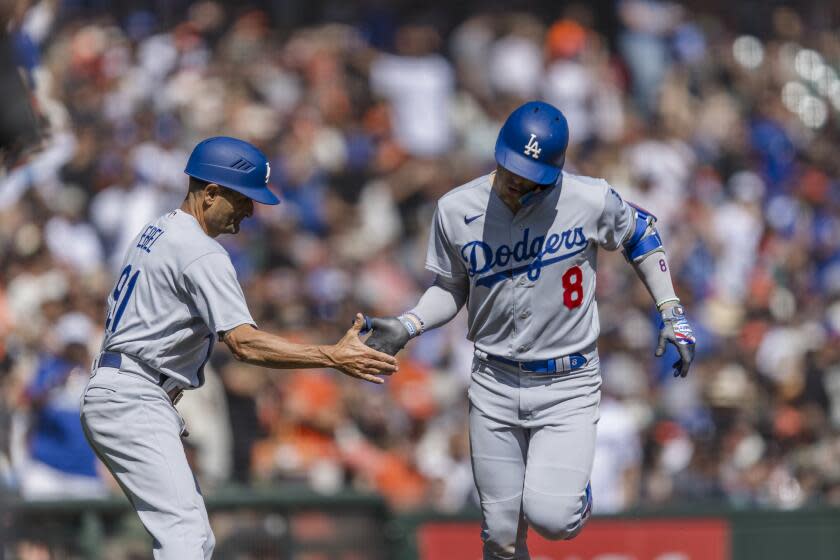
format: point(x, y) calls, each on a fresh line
point(263, 195)
point(526, 167)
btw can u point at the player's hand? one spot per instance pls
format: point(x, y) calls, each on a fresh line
point(351, 357)
point(389, 335)
point(674, 328)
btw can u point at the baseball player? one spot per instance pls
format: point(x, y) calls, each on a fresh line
point(519, 248)
point(177, 293)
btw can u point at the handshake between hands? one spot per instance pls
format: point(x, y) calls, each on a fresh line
point(374, 357)
point(390, 334)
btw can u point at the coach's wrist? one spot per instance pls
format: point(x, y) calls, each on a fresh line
point(327, 355)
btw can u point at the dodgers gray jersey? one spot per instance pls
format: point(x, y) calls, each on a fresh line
point(176, 292)
point(531, 276)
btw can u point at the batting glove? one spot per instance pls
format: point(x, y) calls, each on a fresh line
point(674, 328)
point(390, 334)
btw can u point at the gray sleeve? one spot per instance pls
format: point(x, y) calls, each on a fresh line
point(214, 289)
point(615, 222)
point(441, 302)
point(655, 273)
point(442, 256)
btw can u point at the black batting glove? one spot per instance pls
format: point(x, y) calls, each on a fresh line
point(674, 329)
point(390, 334)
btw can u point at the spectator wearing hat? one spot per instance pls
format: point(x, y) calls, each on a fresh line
point(60, 464)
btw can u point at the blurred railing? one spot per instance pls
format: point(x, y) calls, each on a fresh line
point(297, 524)
point(272, 523)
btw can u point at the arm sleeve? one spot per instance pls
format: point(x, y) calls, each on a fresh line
point(441, 302)
point(616, 221)
point(215, 291)
point(442, 256)
point(655, 273)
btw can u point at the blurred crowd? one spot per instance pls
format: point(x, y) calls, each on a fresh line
point(368, 118)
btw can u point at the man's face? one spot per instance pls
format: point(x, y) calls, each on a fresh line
point(511, 188)
point(77, 354)
point(224, 209)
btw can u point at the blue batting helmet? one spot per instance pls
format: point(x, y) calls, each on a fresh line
point(234, 164)
point(532, 142)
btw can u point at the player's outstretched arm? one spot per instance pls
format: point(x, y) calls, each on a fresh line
point(349, 355)
point(438, 305)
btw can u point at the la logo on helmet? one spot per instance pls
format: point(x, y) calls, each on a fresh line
point(532, 148)
point(267, 172)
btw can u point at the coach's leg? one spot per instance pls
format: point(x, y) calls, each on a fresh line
point(498, 460)
point(556, 502)
point(136, 432)
point(210, 540)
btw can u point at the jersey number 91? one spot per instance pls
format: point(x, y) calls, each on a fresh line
point(122, 293)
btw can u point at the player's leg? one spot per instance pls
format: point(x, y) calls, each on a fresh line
point(557, 499)
point(498, 459)
point(136, 432)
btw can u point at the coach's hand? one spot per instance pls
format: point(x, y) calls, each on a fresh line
point(351, 357)
point(675, 329)
point(389, 335)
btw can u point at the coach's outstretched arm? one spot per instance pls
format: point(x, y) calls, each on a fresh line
point(644, 250)
point(438, 305)
point(349, 355)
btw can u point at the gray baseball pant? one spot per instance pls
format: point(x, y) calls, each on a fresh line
point(136, 431)
point(532, 439)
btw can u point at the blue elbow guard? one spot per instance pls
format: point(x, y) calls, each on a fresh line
point(645, 246)
point(645, 239)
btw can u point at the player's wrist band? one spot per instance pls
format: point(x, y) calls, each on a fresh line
point(673, 313)
point(412, 324)
point(669, 300)
point(409, 325)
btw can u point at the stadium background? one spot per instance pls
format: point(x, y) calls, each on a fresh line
point(720, 117)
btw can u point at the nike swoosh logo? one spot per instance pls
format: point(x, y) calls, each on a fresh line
point(471, 220)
